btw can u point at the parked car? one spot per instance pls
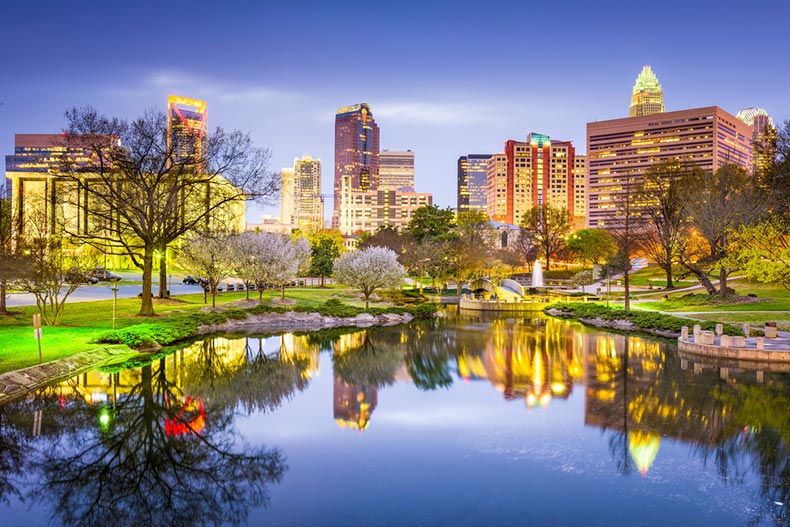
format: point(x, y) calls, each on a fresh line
point(191, 280)
point(75, 276)
point(103, 275)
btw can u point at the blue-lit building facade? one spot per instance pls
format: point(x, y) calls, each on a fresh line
point(472, 182)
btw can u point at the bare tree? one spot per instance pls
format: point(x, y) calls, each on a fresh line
point(12, 265)
point(56, 269)
point(627, 230)
point(547, 227)
point(144, 188)
point(718, 204)
point(661, 195)
point(470, 246)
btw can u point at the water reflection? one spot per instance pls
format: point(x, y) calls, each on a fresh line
point(159, 445)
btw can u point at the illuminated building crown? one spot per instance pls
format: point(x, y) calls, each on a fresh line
point(647, 97)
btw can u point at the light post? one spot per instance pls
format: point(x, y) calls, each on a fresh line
point(114, 302)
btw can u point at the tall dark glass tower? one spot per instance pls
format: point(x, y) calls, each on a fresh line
point(356, 152)
point(472, 173)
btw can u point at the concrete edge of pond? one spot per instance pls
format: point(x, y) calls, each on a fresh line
point(17, 383)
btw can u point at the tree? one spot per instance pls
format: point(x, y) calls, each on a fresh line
point(368, 270)
point(145, 188)
point(526, 248)
point(717, 205)
point(470, 246)
point(592, 245)
point(208, 255)
point(283, 258)
point(386, 236)
point(626, 231)
point(56, 269)
point(762, 250)
point(11, 265)
point(547, 226)
point(775, 177)
point(325, 247)
point(432, 222)
point(661, 194)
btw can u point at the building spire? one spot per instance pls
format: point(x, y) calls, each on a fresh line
point(647, 97)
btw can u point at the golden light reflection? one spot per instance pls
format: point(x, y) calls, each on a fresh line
point(643, 448)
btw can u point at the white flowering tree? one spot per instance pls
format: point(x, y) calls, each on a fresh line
point(287, 259)
point(208, 255)
point(368, 270)
point(269, 259)
point(246, 266)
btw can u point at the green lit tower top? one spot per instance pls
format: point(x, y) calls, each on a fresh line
point(647, 97)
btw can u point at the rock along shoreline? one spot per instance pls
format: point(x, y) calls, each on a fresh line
point(18, 383)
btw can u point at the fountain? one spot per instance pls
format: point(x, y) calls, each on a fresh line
point(537, 275)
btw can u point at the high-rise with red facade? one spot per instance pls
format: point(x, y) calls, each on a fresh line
point(537, 171)
point(356, 153)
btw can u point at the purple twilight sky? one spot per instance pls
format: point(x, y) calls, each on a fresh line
point(443, 79)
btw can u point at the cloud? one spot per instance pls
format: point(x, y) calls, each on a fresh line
point(437, 112)
point(174, 81)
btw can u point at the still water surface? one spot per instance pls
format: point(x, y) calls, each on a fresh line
point(462, 421)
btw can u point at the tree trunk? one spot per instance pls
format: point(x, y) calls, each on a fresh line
point(703, 279)
point(367, 303)
point(3, 307)
point(282, 291)
point(163, 292)
point(627, 300)
point(723, 282)
point(213, 295)
point(147, 304)
point(322, 281)
point(668, 270)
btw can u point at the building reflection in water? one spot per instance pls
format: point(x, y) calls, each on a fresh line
point(533, 360)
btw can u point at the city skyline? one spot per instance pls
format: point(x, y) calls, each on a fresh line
point(420, 89)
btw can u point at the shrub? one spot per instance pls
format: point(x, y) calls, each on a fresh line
point(641, 319)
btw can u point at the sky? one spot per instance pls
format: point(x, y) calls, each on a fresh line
point(443, 79)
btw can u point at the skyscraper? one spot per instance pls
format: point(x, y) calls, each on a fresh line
point(647, 97)
point(187, 125)
point(763, 136)
point(472, 184)
point(537, 171)
point(356, 153)
point(396, 170)
point(620, 151)
point(301, 194)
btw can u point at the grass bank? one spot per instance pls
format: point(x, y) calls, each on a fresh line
point(85, 323)
point(645, 321)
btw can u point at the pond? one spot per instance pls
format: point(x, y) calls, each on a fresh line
point(466, 420)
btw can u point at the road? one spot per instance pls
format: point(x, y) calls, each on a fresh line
point(103, 291)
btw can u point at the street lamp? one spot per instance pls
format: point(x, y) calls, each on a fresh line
point(114, 302)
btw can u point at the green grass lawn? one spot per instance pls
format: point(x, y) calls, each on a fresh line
point(83, 321)
point(656, 277)
point(770, 297)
